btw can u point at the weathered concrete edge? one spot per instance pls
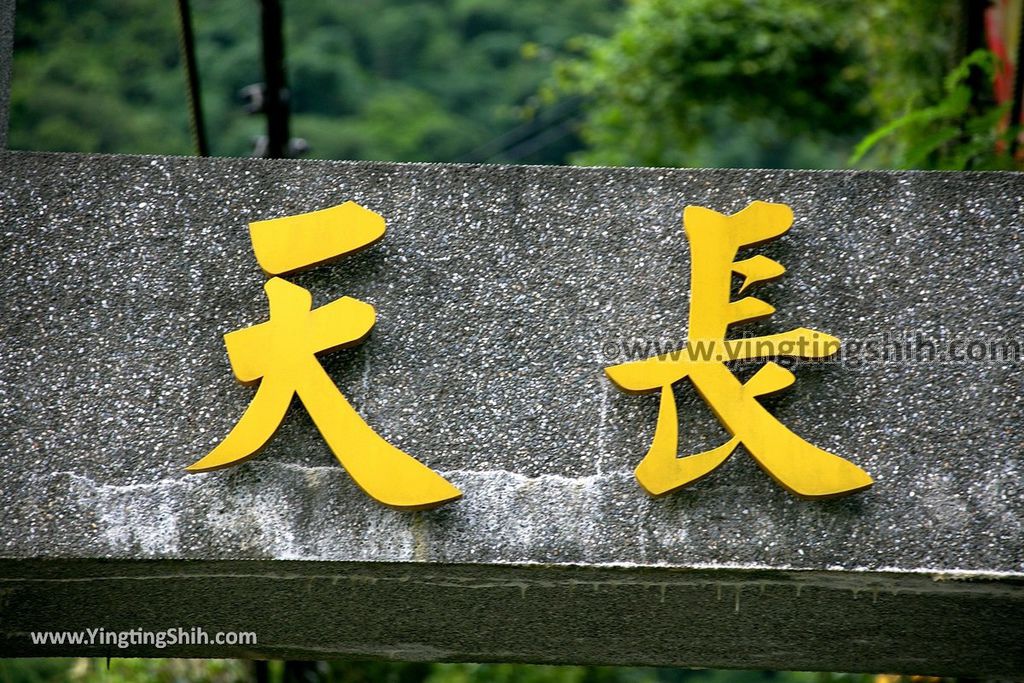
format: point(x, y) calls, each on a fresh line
point(853, 574)
point(804, 620)
point(23, 156)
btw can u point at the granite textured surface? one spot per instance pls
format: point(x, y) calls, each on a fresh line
point(501, 293)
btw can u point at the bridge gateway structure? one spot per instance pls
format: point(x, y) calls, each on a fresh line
point(501, 294)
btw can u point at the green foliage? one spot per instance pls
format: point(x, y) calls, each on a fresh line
point(34, 670)
point(405, 80)
point(950, 134)
point(787, 83)
point(228, 671)
point(123, 671)
point(680, 75)
point(909, 47)
point(81, 84)
point(519, 673)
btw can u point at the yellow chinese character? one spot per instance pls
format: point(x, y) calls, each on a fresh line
point(797, 465)
point(280, 354)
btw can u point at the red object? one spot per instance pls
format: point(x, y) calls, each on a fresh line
point(996, 35)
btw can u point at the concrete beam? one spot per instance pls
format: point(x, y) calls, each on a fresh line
point(501, 293)
point(714, 617)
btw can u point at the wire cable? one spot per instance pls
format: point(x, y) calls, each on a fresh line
point(187, 47)
point(510, 139)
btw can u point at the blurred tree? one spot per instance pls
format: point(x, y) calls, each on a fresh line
point(933, 87)
point(793, 83)
point(679, 80)
point(951, 133)
point(909, 47)
point(83, 78)
point(403, 80)
point(226, 670)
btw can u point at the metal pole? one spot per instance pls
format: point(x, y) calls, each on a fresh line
point(276, 96)
point(187, 45)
